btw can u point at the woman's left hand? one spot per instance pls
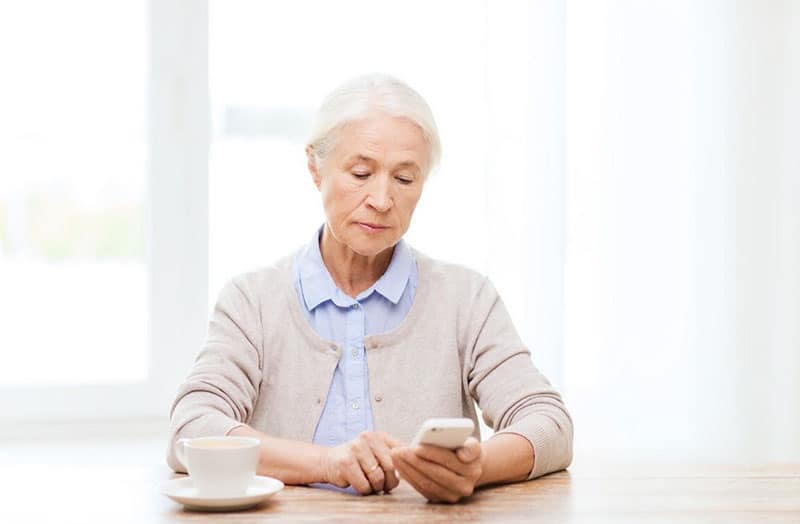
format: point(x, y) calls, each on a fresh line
point(439, 474)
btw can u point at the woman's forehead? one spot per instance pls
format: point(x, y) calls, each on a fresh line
point(379, 125)
point(401, 161)
point(381, 134)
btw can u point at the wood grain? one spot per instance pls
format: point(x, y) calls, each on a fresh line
point(109, 491)
point(560, 497)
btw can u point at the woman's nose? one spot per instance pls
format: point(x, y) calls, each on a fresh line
point(380, 197)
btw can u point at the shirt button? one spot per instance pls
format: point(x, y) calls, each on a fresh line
point(378, 398)
point(356, 305)
point(354, 352)
point(355, 405)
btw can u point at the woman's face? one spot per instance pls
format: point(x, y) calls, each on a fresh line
point(371, 181)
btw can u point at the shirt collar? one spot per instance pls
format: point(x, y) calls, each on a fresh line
point(317, 285)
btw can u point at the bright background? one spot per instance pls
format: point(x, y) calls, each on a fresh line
point(626, 172)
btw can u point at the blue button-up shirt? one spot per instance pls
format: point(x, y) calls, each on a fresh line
point(339, 318)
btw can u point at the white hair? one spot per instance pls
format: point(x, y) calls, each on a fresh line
point(358, 97)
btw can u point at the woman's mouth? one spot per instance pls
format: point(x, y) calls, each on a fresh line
point(372, 228)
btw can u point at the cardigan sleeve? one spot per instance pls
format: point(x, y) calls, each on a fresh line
point(513, 395)
point(222, 387)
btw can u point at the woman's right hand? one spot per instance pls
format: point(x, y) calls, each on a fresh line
point(363, 463)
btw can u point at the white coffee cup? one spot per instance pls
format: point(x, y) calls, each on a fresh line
point(219, 466)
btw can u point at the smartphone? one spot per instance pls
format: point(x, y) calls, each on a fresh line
point(447, 433)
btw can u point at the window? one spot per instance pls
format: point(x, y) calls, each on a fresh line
point(102, 207)
point(72, 248)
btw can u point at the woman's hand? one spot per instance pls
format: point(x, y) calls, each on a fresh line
point(439, 474)
point(365, 463)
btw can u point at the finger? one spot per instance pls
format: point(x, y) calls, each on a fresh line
point(438, 479)
point(370, 465)
point(426, 486)
point(356, 478)
point(382, 452)
point(374, 474)
point(442, 456)
point(391, 481)
point(470, 451)
point(443, 476)
point(393, 442)
point(405, 471)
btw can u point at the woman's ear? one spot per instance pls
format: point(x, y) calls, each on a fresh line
point(313, 166)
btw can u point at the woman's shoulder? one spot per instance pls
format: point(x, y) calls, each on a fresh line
point(446, 275)
point(266, 281)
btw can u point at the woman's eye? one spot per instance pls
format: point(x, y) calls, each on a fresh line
point(360, 176)
point(405, 181)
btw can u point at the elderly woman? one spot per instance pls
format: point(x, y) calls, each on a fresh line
point(335, 355)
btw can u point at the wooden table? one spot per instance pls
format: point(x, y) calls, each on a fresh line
point(99, 488)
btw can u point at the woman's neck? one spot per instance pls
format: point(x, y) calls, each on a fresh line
point(351, 272)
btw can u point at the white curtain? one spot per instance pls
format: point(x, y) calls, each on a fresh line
point(656, 200)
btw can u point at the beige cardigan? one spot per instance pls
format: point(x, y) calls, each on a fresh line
point(264, 366)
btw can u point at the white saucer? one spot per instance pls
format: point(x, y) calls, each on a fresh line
point(182, 490)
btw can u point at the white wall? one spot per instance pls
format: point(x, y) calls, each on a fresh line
point(682, 229)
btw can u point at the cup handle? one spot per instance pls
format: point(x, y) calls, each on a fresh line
point(180, 451)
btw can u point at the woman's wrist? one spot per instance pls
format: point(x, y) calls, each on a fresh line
point(291, 461)
point(321, 473)
point(506, 457)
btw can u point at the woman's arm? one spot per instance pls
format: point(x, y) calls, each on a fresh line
point(222, 387)
point(507, 457)
point(365, 463)
point(291, 461)
point(533, 428)
point(515, 398)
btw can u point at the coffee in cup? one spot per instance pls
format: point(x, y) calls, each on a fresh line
point(219, 466)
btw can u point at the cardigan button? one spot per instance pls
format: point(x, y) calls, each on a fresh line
point(378, 398)
point(319, 400)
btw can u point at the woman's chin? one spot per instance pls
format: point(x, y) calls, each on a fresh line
point(370, 248)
